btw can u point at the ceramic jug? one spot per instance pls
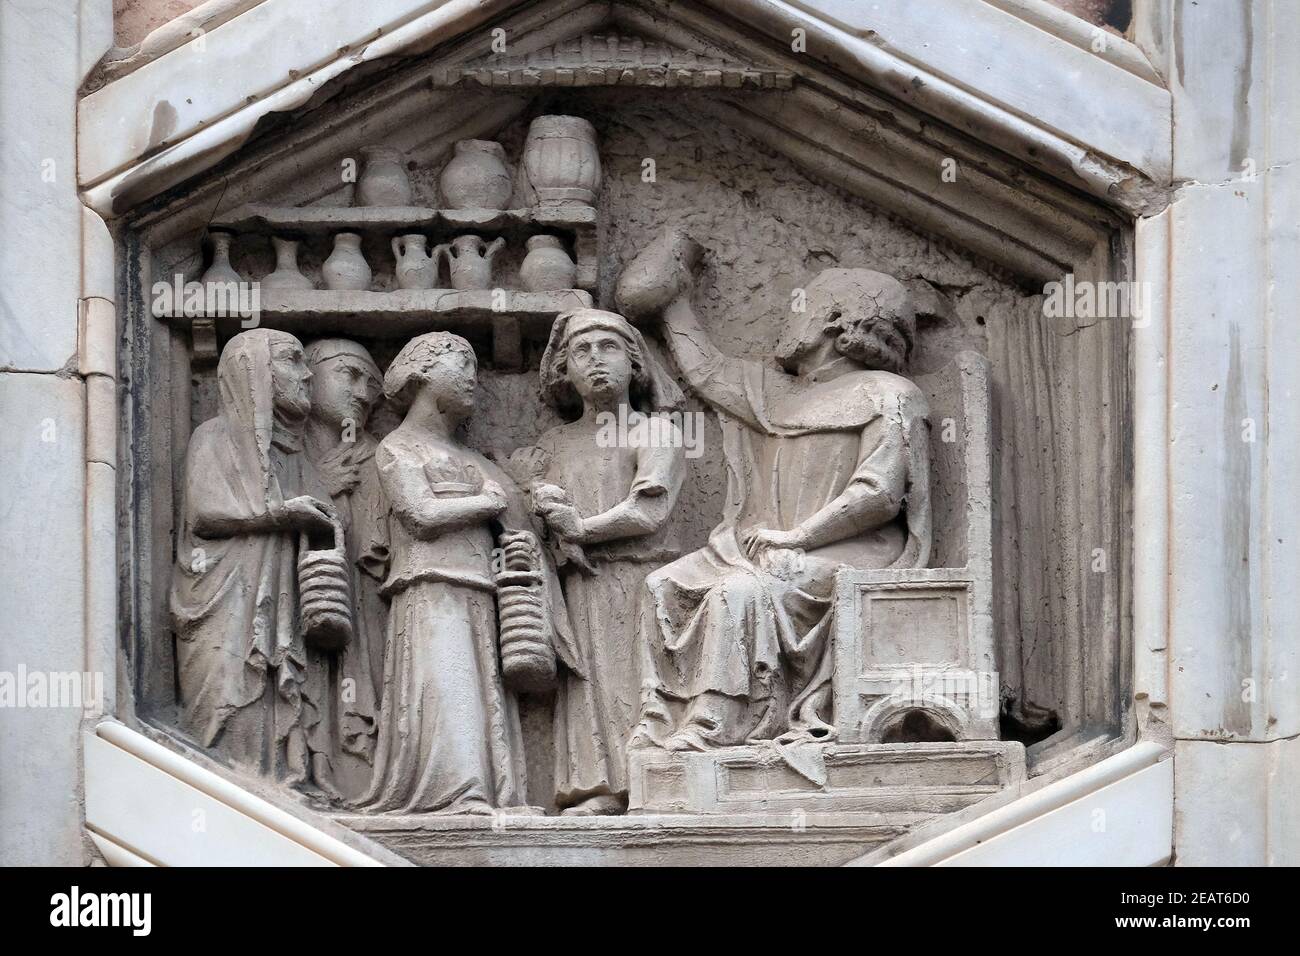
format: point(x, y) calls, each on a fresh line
point(346, 268)
point(476, 177)
point(547, 267)
point(469, 259)
point(286, 274)
point(417, 268)
point(383, 179)
point(221, 270)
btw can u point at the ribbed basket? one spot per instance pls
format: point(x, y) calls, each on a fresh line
point(524, 633)
point(325, 593)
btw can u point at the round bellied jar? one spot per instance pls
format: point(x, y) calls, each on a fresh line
point(476, 177)
point(346, 269)
point(383, 181)
point(547, 266)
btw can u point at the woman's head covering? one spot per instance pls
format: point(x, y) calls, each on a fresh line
point(246, 409)
point(416, 358)
point(652, 389)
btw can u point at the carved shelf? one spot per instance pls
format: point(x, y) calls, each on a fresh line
point(255, 217)
point(576, 219)
point(507, 316)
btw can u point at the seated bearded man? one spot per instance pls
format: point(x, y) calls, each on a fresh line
point(828, 468)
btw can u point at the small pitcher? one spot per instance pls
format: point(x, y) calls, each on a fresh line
point(469, 259)
point(416, 267)
point(346, 268)
point(286, 274)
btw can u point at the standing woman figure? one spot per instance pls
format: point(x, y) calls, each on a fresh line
point(449, 739)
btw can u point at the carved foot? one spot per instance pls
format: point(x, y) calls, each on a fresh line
point(602, 805)
point(318, 786)
point(643, 737)
point(688, 738)
point(651, 731)
point(475, 808)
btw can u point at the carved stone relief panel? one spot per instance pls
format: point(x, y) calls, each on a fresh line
point(581, 447)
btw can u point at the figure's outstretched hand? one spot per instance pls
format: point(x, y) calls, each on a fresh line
point(545, 495)
point(562, 520)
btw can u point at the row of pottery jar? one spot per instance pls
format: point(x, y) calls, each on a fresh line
point(346, 267)
point(546, 268)
point(561, 165)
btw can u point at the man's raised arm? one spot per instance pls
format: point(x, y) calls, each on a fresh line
point(659, 282)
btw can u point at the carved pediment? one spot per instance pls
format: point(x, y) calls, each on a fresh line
point(856, 138)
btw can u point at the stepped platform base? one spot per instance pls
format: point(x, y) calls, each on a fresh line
point(744, 806)
point(910, 778)
point(791, 839)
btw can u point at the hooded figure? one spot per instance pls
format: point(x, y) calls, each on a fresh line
point(249, 688)
point(827, 468)
point(605, 484)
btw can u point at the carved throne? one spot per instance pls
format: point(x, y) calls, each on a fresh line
point(914, 657)
point(915, 685)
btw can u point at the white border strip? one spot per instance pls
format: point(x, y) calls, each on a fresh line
point(1150, 351)
point(211, 139)
point(943, 848)
point(239, 800)
point(1072, 28)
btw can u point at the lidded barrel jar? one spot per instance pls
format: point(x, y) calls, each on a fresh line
point(561, 160)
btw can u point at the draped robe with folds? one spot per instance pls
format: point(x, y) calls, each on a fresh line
point(357, 679)
point(594, 715)
point(449, 735)
point(249, 688)
point(743, 647)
